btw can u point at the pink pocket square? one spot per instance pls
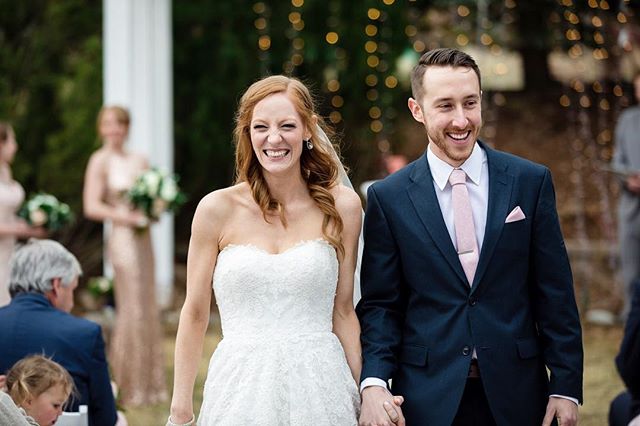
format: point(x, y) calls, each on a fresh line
point(515, 215)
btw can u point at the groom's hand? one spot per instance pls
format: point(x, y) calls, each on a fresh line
point(380, 408)
point(564, 410)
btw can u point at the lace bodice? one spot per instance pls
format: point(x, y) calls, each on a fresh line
point(284, 294)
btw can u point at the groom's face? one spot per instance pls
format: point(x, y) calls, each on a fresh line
point(450, 110)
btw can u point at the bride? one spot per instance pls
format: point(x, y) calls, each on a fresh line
point(281, 246)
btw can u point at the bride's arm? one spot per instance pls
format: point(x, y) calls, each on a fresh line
point(194, 317)
point(345, 321)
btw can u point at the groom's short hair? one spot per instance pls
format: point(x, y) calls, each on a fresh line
point(443, 57)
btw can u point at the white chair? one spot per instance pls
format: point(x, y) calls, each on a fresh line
point(79, 418)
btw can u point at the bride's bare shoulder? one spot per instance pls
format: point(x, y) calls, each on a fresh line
point(221, 203)
point(346, 199)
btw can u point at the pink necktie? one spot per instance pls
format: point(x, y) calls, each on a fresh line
point(463, 224)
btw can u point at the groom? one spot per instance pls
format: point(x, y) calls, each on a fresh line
point(467, 293)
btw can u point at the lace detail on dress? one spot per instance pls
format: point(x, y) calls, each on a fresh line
point(279, 362)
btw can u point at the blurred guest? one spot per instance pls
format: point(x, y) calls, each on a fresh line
point(41, 387)
point(136, 346)
point(625, 409)
point(626, 160)
point(11, 197)
point(43, 278)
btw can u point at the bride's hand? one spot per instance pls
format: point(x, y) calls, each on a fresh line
point(181, 419)
point(380, 408)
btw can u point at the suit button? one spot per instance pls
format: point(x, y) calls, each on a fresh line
point(472, 302)
point(466, 351)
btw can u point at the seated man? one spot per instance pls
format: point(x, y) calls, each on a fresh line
point(625, 409)
point(37, 321)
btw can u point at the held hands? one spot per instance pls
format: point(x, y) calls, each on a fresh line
point(564, 410)
point(380, 408)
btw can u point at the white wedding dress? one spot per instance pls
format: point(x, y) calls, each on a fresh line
point(278, 362)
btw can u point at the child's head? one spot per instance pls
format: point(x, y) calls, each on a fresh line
point(40, 386)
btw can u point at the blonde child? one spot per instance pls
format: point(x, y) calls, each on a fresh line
point(40, 387)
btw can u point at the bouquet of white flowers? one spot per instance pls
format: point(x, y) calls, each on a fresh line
point(46, 210)
point(155, 192)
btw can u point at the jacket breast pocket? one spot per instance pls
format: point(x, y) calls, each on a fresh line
point(515, 237)
point(414, 355)
point(528, 348)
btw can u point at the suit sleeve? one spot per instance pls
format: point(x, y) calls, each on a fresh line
point(102, 407)
point(628, 359)
point(553, 298)
point(381, 309)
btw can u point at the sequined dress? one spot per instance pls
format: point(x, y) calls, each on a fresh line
point(11, 197)
point(278, 362)
point(136, 352)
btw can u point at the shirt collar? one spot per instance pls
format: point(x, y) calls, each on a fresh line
point(441, 170)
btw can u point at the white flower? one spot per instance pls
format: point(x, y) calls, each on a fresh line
point(169, 189)
point(152, 180)
point(104, 284)
point(159, 206)
point(38, 217)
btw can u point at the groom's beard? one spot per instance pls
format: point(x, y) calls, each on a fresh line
point(440, 139)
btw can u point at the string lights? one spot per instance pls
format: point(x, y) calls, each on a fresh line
point(379, 80)
point(264, 39)
point(332, 75)
point(296, 54)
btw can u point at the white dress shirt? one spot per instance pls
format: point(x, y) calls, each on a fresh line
point(477, 170)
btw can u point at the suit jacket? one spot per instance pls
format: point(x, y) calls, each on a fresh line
point(31, 325)
point(628, 359)
point(421, 320)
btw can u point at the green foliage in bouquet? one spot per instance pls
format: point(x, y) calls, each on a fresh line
point(47, 211)
point(155, 192)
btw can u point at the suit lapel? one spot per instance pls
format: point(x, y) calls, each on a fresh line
point(500, 186)
point(424, 199)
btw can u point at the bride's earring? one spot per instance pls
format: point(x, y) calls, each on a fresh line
point(308, 143)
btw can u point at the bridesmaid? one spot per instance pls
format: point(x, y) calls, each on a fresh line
point(135, 352)
point(11, 197)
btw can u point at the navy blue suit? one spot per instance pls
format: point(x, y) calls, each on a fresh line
point(420, 319)
point(627, 405)
point(31, 325)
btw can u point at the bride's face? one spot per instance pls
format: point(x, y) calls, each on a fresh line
point(277, 131)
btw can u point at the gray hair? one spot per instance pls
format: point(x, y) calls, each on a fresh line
point(37, 262)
